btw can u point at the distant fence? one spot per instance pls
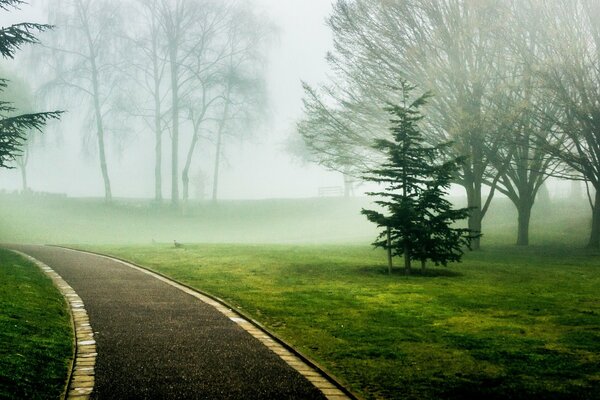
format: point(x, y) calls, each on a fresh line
point(331, 191)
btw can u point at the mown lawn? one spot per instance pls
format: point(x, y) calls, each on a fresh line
point(508, 323)
point(35, 332)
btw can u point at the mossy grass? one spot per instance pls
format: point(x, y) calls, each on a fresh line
point(35, 332)
point(508, 322)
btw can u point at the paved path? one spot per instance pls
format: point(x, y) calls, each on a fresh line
point(157, 342)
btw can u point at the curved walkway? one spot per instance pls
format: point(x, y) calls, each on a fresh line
point(155, 341)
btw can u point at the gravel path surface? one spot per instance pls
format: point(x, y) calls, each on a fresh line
point(157, 342)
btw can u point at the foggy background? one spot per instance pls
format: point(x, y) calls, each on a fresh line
point(258, 167)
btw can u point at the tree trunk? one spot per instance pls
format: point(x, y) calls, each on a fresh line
point(348, 186)
point(220, 143)
point(175, 130)
point(24, 177)
point(475, 216)
point(157, 129)
point(185, 175)
point(217, 166)
point(99, 122)
point(158, 162)
point(594, 241)
point(389, 249)
point(407, 268)
point(524, 217)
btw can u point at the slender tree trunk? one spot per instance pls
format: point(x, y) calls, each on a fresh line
point(185, 175)
point(407, 266)
point(24, 178)
point(389, 249)
point(175, 130)
point(99, 122)
point(215, 191)
point(594, 241)
point(157, 128)
point(348, 185)
point(158, 160)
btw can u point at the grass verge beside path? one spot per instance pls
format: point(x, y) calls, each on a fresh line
point(35, 332)
point(507, 323)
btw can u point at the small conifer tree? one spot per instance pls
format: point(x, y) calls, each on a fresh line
point(418, 222)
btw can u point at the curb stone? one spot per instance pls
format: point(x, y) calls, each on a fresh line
point(80, 381)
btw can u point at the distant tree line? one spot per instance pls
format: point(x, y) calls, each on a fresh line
point(186, 73)
point(515, 84)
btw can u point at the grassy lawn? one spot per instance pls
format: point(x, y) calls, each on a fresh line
point(35, 332)
point(507, 323)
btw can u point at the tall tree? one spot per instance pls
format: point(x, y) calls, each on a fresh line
point(243, 86)
point(177, 19)
point(83, 60)
point(521, 162)
point(203, 76)
point(419, 220)
point(568, 67)
point(448, 47)
point(14, 127)
point(146, 66)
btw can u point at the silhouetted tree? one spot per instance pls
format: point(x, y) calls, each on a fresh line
point(419, 220)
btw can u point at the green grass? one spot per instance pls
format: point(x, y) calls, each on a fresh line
point(507, 323)
point(55, 219)
point(35, 332)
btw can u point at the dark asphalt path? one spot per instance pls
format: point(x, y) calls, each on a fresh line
point(157, 342)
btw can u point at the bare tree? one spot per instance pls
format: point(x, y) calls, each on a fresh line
point(243, 88)
point(82, 58)
point(177, 19)
point(568, 67)
point(447, 47)
point(146, 66)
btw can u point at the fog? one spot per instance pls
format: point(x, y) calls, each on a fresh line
point(178, 102)
point(65, 161)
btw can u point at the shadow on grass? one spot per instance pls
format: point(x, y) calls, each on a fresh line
point(415, 273)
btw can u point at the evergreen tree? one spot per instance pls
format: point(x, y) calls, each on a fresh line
point(419, 221)
point(14, 128)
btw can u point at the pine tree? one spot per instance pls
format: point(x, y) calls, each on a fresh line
point(14, 128)
point(419, 221)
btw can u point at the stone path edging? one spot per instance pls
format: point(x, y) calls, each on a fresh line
point(80, 381)
point(330, 387)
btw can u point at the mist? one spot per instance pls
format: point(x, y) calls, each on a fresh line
point(194, 102)
point(254, 167)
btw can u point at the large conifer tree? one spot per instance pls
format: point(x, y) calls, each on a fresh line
point(14, 128)
point(418, 223)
